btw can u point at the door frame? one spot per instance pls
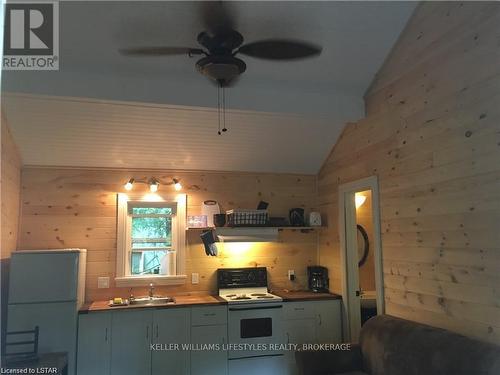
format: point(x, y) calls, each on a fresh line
point(368, 183)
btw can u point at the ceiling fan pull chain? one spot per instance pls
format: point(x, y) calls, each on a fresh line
point(224, 129)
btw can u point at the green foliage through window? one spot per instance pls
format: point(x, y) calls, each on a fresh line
point(151, 238)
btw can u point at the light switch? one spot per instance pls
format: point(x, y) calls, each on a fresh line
point(195, 278)
point(103, 282)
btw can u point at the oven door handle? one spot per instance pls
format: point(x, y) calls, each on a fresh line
point(255, 308)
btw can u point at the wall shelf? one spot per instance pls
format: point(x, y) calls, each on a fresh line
point(302, 229)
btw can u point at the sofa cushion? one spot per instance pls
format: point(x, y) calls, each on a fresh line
point(393, 346)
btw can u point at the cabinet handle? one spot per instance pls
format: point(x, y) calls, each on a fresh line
point(223, 340)
point(157, 331)
point(298, 308)
point(320, 321)
point(209, 314)
point(147, 332)
point(106, 334)
point(287, 338)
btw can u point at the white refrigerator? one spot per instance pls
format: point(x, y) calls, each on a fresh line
point(46, 289)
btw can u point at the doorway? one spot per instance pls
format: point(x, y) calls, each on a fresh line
point(361, 253)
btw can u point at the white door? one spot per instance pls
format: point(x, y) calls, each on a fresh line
point(171, 326)
point(298, 331)
point(348, 232)
point(130, 342)
point(209, 362)
point(328, 321)
point(94, 344)
point(57, 324)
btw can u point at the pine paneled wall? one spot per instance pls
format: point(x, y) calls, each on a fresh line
point(77, 208)
point(432, 135)
point(10, 191)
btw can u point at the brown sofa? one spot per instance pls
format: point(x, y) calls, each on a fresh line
point(393, 346)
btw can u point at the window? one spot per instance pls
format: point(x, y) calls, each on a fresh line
point(151, 240)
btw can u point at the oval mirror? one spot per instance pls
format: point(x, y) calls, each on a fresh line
point(363, 245)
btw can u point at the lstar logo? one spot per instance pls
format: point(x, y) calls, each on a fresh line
point(31, 36)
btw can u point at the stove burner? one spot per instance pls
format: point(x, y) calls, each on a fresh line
point(258, 294)
point(264, 296)
point(238, 298)
point(230, 295)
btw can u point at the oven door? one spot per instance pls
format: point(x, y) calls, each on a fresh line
point(257, 324)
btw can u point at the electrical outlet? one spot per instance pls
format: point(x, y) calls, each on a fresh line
point(195, 278)
point(291, 275)
point(103, 282)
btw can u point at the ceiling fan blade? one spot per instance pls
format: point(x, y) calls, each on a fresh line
point(280, 49)
point(216, 16)
point(161, 51)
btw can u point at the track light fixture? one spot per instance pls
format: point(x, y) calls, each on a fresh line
point(154, 183)
point(177, 184)
point(130, 184)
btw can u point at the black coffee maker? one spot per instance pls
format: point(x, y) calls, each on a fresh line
point(317, 277)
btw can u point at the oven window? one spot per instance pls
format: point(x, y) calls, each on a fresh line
point(259, 327)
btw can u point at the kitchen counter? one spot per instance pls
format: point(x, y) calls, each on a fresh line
point(304, 295)
point(180, 301)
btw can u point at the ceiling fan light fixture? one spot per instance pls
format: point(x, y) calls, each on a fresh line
point(221, 69)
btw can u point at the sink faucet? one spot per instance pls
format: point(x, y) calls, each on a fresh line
point(151, 290)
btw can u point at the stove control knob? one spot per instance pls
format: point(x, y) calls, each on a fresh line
point(251, 276)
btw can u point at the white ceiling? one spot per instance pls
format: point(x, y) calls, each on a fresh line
point(356, 37)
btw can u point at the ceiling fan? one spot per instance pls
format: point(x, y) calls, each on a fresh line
point(221, 43)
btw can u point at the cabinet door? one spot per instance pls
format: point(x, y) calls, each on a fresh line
point(130, 342)
point(298, 331)
point(209, 362)
point(94, 344)
point(329, 321)
point(171, 326)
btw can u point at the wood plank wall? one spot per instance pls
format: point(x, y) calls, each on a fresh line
point(10, 191)
point(77, 208)
point(432, 135)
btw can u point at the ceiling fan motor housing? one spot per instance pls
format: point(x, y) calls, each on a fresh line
point(221, 69)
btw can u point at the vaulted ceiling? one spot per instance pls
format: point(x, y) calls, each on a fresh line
point(158, 112)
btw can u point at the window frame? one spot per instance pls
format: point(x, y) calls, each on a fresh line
point(124, 239)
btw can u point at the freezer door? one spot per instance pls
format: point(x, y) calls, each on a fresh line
point(43, 277)
point(57, 323)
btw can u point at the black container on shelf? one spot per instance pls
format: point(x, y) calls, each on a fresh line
point(297, 217)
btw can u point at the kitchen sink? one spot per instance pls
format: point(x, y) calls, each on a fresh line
point(152, 301)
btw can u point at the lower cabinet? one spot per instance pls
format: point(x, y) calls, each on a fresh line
point(209, 327)
point(130, 341)
point(208, 362)
point(329, 321)
point(120, 342)
point(170, 326)
point(94, 344)
point(311, 322)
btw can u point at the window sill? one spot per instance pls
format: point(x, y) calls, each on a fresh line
point(124, 281)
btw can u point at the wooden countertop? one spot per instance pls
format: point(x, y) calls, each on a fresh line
point(304, 295)
point(180, 301)
point(204, 300)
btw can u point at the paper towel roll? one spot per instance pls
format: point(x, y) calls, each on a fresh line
point(168, 264)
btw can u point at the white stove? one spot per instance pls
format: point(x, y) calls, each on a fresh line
point(248, 295)
point(244, 285)
point(255, 320)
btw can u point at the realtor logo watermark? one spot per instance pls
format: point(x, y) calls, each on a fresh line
point(31, 36)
